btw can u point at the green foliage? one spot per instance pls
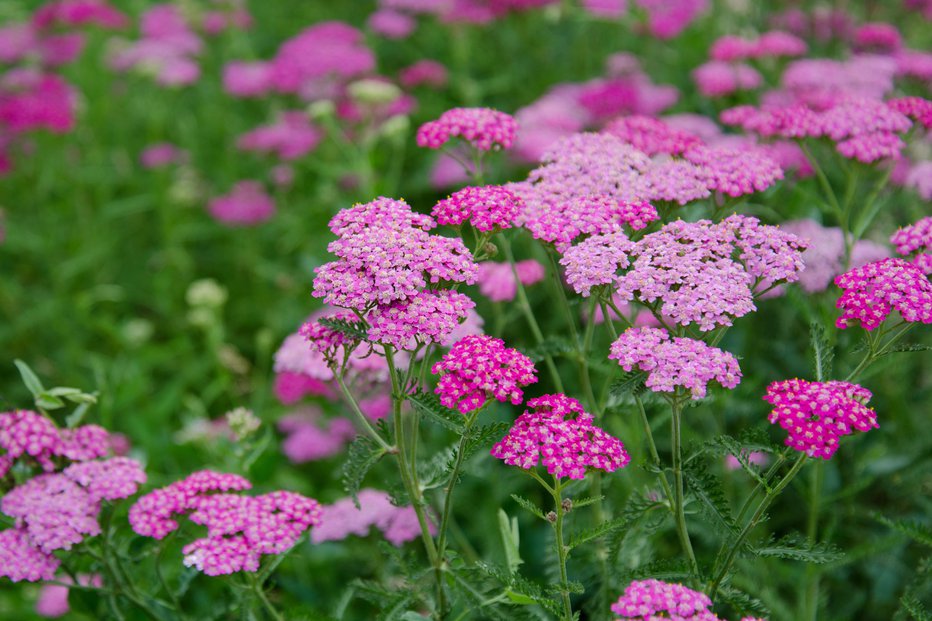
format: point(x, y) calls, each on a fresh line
point(430, 407)
point(362, 455)
point(796, 547)
point(354, 329)
point(823, 354)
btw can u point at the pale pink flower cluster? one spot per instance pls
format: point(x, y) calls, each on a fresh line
point(651, 600)
point(240, 529)
point(162, 154)
point(483, 128)
point(816, 415)
point(873, 291)
point(52, 601)
point(245, 205)
point(291, 137)
point(488, 208)
point(497, 280)
point(916, 239)
point(330, 343)
point(310, 437)
point(479, 368)
point(825, 252)
point(651, 135)
point(736, 172)
point(343, 518)
point(168, 48)
point(557, 433)
point(30, 435)
point(668, 18)
point(718, 79)
point(694, 272)
point(674, 362)
point(389, 266)
point(771, 44)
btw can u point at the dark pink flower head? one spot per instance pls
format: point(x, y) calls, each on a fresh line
point(674, 362)
point(649, 600)
point(779, 44)
point(246, 204)
point(497, 280)
point(424, 73)
point(916, 239)
point(161, 154)
point(478, 368)
point(484, 128)
point(652, 136)
point(916, 108)
point(151, 515)
point(325, 50)
point(487, 208)
point(878, 37)
point(31, 100)
point(425, 318)
point(873, 291)
point(79, 13)
point(310, 437)
point(24, 432)
point(557, 433)
point(816, 415)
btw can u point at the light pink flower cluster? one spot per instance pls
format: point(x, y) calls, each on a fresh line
point(483, 128)
point(497, 280)
point(52, 601)
point(24, 433)
point(736, 172)
point(487, 208)
point(916, 239)
point(387, 260)
point(478, 368)
point(424, 73)
point(309, 437)
point(168, 48)
point(651, 135)
point(240, 529)
point(689, 269)
point(559, 434)
point(674, 362)
point(55, 511)
point(330, 343)
point(650, 600)
point(771, 44)
point(290, 138)
point(162, 154)
point(878, 37)
point(718, 79)
point(246, 204)
point(816, 415)
point(873, 291)
point(676, 181)
point(825, 251)
point(343, 518)
point(668, 18)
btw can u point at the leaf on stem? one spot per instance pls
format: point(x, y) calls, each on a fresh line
point(823, 353)
point(511, 538)
point(529, 506)
point(708, 491)
point(797, 548)
point(30, 379)
point(430, 407)
point(362, 455)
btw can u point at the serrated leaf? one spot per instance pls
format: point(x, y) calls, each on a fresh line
point(520, 598)
point(907, 347)
point(482, 436)
point(742, 602)
point(511, 538)
point(632, 382)
point(30, 379)
point(434, 472)
point(795, 547)
point(911, 604)
point(429, 406)
point(585, 502)
point(551, 346)
point(363, 453)
point(352, 329)
point(598, 531)
point(726, 445)
point(707, 490)
point(920, 533)
point(529, 506)
point(823, 354)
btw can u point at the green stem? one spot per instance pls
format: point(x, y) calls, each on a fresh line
point(525, 306)
point(668, 493)
point(811, 601)
point(260, 593)
point(679, 510)
point(360, 417)
point(562, 551)
point(752, 523)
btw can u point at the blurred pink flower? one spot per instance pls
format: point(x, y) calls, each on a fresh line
point(391, 24)
point(161, 154)
point(242, 79)
point(290, 138)
point(423, 72)
point(246, 204)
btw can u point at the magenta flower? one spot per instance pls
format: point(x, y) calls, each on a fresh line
point(557, 433)
point(487, 208)
point(916, 108)
point(652, 136)
point(79, 13)
point(310, 438)
point(668, 18)
point(736, 172)
point(422, 319)
point(242, 79)
point(647, 600)
point(478, 368)
point(817, 415)
point(246, 204)
point(161, 154)
point(424, 73)
point(718, 79)
point(20, 560)
point(916, 239)
point(483, 128)
point(873, 291)
point(674, 362)
point(326, 50)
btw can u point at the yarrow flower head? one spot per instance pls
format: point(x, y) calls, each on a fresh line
point(873, 291)
point(736, 172)
point(674, 362)
point(817, 415)
point(487, 208)
point(478, 368)
point(916, 239)
point(557, 433)
point(425, 318)
point(483, 128)
point(595, 261)
point(309, 437)
point(825, 253)
point(650, 600)
point(652, 136)
point(916, 108)
point(344, 518)
point(328, 341)
point(497, 280)
point(240, 529)
point(246, 204)
point(24, 433)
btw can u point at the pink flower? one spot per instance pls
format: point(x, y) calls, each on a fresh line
point(873, 291)
point(487, 208)
point(674, 362)
point(424, 72)
point(647, 600)
point(21, 560)
point(30, 100)
point(817, 415)
point(161, 154)
point(325, 50)
point(290, 138)
point(343, 518)
point(479, 368)
point(426, 318)
point(652, 136)
point(878, 36)
point(309, 438)
point(79, 13)
point(559, 434)
point(242, 79)
point(391, 24)
point(483, 128)
point(717, 79)
point(668, 18)
point(246, 204)
point(53, 598)
point(757, 458)
point(916, 239)
point(606, 8)
point(497, 280)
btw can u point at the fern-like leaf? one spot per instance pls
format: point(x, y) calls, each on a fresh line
point(430, 407)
